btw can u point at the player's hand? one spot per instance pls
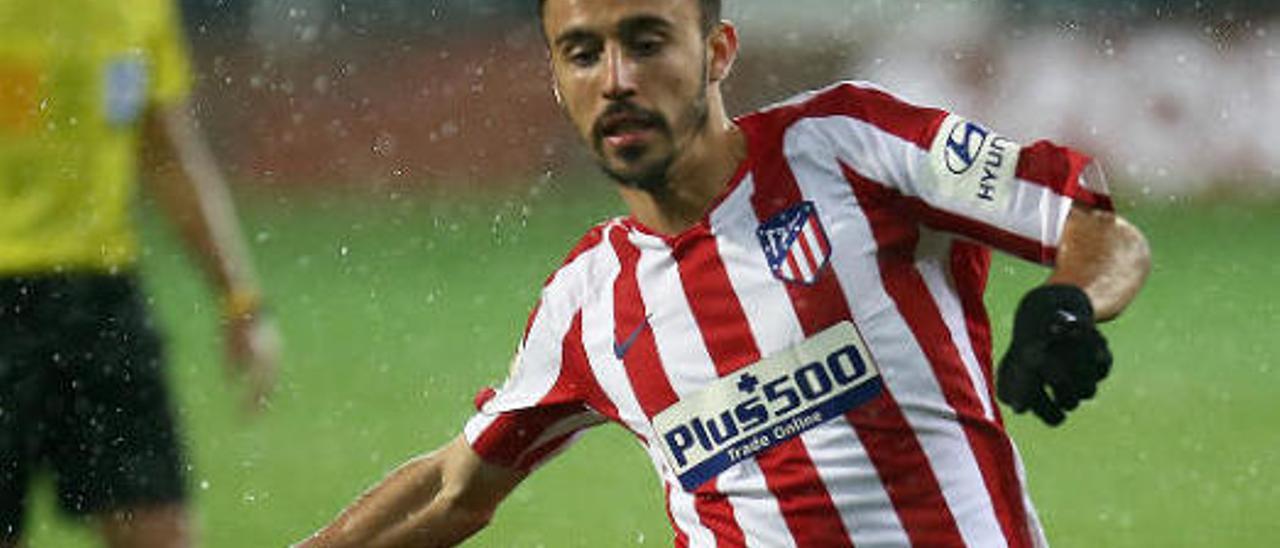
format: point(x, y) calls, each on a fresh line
point(1057, 356)
point(253, 346)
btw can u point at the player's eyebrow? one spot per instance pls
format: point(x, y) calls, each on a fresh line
point(637, 24)
point(630, 26)
point(576, 35)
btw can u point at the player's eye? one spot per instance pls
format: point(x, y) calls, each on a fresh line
point(647, 46)
point(582, 56)
point(584, 59)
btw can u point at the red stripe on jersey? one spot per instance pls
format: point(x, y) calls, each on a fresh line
point(529, 324)
point(1059, 169)
point(916, 124)
point(970, 264)
point(907, 288)
point(483, 396)
point(652, 388)
point(810, 515)
point(793, 267)
point(510, 435)
point(649, 382)
point(541, 452)
point(891, 444)
point(715, 306)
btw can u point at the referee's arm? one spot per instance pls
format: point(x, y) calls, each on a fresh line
point(182, 176)
point(438, 499)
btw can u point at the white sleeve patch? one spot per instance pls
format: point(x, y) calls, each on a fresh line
point(971, 167)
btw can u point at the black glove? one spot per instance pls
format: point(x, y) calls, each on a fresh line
point(1055, 343)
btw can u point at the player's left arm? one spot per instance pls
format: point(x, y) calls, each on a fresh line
point(180, 173)
point(1104, 255)
point(1058, 356)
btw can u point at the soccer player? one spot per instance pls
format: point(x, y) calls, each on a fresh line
point(92, 95)
point(790, 321)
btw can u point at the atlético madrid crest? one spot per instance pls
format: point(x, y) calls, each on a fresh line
point(795, 244)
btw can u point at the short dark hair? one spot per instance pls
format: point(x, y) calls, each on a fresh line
point(710, 13)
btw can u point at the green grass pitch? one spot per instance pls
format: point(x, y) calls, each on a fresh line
point(396, 309)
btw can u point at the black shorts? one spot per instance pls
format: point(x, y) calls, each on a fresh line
point(82, 390)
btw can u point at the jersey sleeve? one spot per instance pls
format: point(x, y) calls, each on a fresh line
point(957, 175)
point(543, 405)
point(169, 55)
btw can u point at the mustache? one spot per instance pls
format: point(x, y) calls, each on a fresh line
point(629, 112)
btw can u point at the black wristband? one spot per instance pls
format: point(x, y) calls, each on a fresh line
point(1050, 310)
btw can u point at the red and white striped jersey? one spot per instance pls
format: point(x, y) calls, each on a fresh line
point(810, 365)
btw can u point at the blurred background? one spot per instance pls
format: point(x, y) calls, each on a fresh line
point(407, 183)
point(407, 92)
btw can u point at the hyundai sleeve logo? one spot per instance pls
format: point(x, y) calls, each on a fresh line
point(963, 145)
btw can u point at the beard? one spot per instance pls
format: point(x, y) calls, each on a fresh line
point(652, 174)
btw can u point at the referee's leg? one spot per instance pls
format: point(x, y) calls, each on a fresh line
point(167, 526)
point(20, 394)
point(14, 470)
point(118, 459)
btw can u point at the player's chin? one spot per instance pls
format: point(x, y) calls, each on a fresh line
point(645, 175)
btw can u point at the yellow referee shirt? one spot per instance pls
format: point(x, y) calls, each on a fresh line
point(76, 77)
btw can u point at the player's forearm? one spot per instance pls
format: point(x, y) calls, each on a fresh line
point(443, 523)
point(410, 507)
point(399, 496)
point(1105, 256)
point(186, 182)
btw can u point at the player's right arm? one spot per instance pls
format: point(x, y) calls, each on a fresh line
point(442, 498)
point(437, 499)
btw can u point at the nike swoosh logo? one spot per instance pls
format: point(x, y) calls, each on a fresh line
point(620, 350)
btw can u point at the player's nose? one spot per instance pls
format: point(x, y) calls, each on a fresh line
point(619, 75)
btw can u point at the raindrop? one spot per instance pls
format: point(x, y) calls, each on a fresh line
point(321, 84)
point(204, 485)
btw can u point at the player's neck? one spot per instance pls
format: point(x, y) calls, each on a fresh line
point(699, 175)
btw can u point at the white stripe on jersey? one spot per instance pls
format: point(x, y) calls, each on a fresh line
point(807, 266)
point(682, 353)
point(1038, 538)
point(735, 223)
point(685, 514)
point(941, 289)
point(916, 389)
point(760, 517)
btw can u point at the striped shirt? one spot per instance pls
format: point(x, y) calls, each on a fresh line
point(810, 365)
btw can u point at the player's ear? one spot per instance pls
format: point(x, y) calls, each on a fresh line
point(555, 82)
point(722, 50)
